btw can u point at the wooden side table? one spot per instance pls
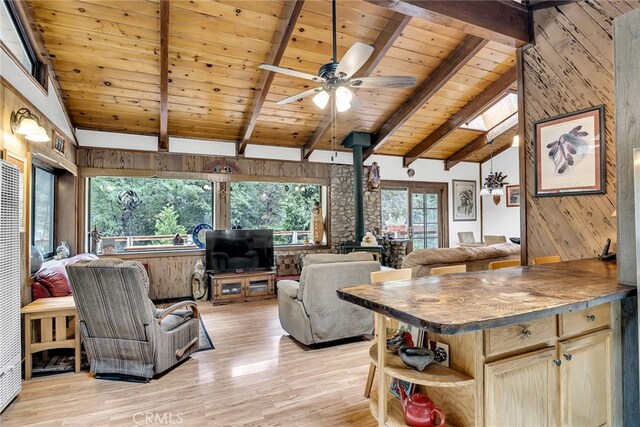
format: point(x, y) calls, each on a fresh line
point(54, 331)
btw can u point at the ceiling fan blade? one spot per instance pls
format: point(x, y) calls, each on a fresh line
point(356, 57)
point(299, 95)
point(384, 82)
point(292, 73)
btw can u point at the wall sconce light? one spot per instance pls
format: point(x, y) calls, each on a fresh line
point(23, 122)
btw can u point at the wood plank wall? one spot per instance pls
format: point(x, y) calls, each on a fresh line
point(569, 68)
point(98, 161)
point(43, 153)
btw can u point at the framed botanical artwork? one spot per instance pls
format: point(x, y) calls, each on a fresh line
point(58, 143)
point(569, 154)
point(464, 201)
point(513, 195)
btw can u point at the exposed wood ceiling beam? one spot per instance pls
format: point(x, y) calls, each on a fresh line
point(458, 59)
point(506, 22)
point(502, 127)
point(163, 138)
point(473, 108)
point(290, 14)
point(495, 153)
point(392, 30)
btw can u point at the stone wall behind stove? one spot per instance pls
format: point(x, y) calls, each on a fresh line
point(343, 206)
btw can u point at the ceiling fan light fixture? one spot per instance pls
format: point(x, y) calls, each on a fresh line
point(343, 99)
point(321, 99)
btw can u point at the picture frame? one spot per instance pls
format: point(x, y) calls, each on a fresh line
point(512, 193)
point(569, 154)
point(464, 200)
point(58, 143)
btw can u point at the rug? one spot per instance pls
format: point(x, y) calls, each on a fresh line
point(205, 342)
point(63, 360)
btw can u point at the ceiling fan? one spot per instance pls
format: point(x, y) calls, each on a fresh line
point(337, 77)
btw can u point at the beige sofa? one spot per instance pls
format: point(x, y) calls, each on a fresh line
point(310, 310)
point(476, 258)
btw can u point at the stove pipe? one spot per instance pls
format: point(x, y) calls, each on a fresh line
point(358, 141)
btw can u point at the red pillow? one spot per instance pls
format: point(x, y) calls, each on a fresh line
point(38, 291)
point(55, 280)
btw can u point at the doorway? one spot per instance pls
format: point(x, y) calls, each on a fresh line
point(415, 212)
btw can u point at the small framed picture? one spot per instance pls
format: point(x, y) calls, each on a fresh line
point(569, 154)
point(464, 200)
point(513, 195)
point(396, 384)
point(58, 143)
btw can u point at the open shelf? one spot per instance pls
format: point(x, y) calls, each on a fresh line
point(395, 416)
point(434, 375)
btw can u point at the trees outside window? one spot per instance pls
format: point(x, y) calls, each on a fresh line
point(148, 207)
point(284, 208)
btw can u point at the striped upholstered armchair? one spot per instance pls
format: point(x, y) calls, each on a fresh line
point(123, 333)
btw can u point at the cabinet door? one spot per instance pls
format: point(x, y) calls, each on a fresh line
point(585, 380)
point(259, 285)
point(228, 288)
point(521, 391)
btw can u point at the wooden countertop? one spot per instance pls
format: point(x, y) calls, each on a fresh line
point(465, 302)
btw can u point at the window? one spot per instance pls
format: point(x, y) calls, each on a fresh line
point(42, 221)
point(146, 213)
point(13, 35)
point(395, 212)
point(284, 208)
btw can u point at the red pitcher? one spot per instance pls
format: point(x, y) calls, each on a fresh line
point(419, 410)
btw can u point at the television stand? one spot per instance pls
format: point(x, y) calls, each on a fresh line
point(241, 287)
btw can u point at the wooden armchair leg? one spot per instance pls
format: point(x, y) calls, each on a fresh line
point(183, 350)
point(372, 373)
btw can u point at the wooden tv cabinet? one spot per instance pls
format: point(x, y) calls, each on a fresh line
point(241, 287)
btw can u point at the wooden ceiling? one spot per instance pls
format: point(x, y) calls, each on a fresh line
point(108, 58)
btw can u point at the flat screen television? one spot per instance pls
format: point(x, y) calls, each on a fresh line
point(229, 251)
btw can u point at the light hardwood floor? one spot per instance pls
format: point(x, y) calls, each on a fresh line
point(256, 376)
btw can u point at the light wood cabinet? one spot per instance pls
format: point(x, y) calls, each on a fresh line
point(521, 390)
point(241, 287)
point(567, 384)
point(585, 380)
point(520, 375)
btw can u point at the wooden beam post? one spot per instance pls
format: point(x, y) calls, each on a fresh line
point(522, 156)
point(473, 108)
point(469, 47)
point(163, 138)
point(457, 157)
point(288, 19)
point(505, 22)
point(392, 30)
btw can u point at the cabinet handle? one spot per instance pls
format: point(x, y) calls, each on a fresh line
point(568, 356)
point(591, 317)
point(557, 362)
point(526, 333)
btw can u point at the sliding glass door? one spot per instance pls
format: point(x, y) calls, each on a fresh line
point(416, 212)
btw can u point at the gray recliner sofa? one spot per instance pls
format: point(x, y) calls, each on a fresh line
point(310, 310)
point(123, 332)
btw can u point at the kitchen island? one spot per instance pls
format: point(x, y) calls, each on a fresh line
point(528, 345)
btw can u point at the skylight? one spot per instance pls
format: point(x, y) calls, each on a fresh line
point(495, 114)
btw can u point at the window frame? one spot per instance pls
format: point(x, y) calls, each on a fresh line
point(325, 201)
point(87, 213)
point(39, 71)
point(34, 166)
point(441, 188)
